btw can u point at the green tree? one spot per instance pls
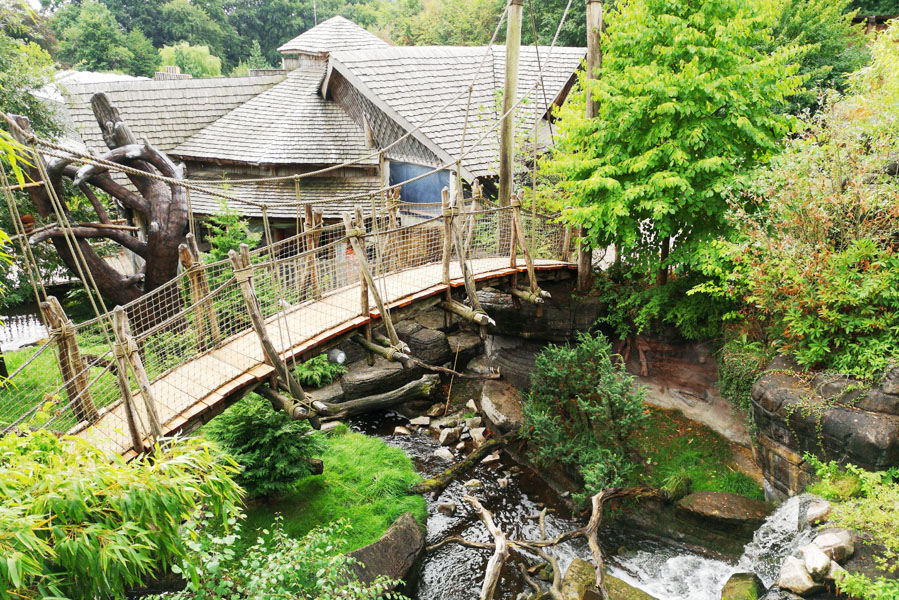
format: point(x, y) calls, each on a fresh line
point(145, 59)
point(227, 231)
point(95, 41)
point(194, 60)
point(24, 68)
point(877, 7)
point(184, 21)
point(833, 46)
point(686, 106)
point(449, 22)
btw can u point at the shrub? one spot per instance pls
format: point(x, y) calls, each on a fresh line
point(276, 566)
point(78, 523)
point(318, 371)
point(740, 363)
point(271, 448)
point(867, 502)
point(581, 410)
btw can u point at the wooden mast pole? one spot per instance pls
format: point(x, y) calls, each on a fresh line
point(510, 91)
point(594, 64)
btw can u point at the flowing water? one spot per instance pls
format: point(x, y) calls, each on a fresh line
point(666, 571)
point(21, 326)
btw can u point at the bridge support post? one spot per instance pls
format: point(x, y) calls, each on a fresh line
point(366, 307)
point(477, 313)
point(356, 235)
point(534, 295)
point(208, 332)
point(312, 228)
point(126, 353)
point(71, 364)
point(244, 274)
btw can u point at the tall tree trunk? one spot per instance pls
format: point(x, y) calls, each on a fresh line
point(662, 276)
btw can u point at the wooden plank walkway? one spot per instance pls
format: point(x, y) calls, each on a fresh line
point(201, 384)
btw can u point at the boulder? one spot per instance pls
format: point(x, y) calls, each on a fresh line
point(501, 405)
point(490, 458)
point(795, 578)
point(330, 394)
point(444, 454)
point(578, 580)
point(450, 436)
point(743, 586)
point(433, 318)
point(817, 510)
point(621, 590)
point(838, 544)
point(436, 410)
point(834, 571)
point(420, 421)
point(724, 509)
point(393, 555)
point(473, 422)
point(816, 562)
point(400, 430)
point(479, 365)
point(470, 405)
point(467, 344)
point(428, 345)
point(460, 446)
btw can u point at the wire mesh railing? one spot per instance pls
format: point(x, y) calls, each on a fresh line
point(194, 333)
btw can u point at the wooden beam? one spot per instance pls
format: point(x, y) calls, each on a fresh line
point(510, 91)
point(126, 347)
point(71, 364)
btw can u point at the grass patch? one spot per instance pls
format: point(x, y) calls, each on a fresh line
point(365, 482)
point(682, 457)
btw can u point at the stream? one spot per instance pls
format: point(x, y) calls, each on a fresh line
point(666, 571)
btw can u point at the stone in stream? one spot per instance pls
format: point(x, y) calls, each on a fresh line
point(838, 544)
point(477, 436)
point(420, 421)
point(473, 422)
point(490, 458)
point(400, 430)
point(816, 511)
point(447, 508)
point(743, 586)
point(436, 410)
point(473, 483)
point(470, 405)
point(502, 482)
point(444, 454)
point(501, 405)
point(724, 510)
point(620, 590)
point(835, 570)
point(795, 578)
point(449, 436)
point(460, 446)
point(816, 562)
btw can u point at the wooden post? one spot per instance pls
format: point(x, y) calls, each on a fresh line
point(208, 332)
point(510, 91)
point(448, 214)
point(462, 253)
point(312, 228)
point(522, 243)
point(243, 272)
point(71, 364)
point(127, 352)
point(594, 64)
point(566, 245)
point(356, 235)
point(366, 307)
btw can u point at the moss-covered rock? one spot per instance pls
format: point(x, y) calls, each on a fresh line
point(743, 586)
point(619, 590)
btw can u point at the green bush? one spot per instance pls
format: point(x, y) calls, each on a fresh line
point(271, 448)
point(867, 502)
point(741, 362)
point(276, 566)
point(78, 523)
point(366, 482)
point(581, 412)
point(318, 371)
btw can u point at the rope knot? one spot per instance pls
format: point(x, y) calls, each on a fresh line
point(125, 349)
point(243, 275)
point(358, 232)
point(452, 212)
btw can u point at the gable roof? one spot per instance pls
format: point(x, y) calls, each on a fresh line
point(411, 83)
point(287, 124)
point(337, 33)
point(165, 112)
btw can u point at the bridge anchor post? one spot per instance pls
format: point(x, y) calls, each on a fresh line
point(71, 363)
point(243, 272)
point(127, 353)
point(534, 295)
point(208, 331)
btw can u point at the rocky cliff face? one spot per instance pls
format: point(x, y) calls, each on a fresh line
point(831, 416)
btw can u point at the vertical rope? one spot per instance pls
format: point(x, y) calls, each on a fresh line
point(31, 266)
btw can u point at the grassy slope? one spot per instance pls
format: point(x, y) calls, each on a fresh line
point(365, 482)
point(675, 449)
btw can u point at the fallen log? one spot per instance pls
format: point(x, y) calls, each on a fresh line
point(439, 482)
point(281, 402)
point(420, 388)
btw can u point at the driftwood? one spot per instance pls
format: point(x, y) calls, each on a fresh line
point(439, 482)
point(420, 388)
point(590, 532)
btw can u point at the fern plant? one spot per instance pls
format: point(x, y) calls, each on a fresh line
point(318, 371)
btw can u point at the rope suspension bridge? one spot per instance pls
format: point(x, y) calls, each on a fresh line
point(179, 355)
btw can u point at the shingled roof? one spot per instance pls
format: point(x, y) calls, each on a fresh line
point(165, 112)
point(330, 191)
point(337, 33)
point(411, 83)
point(288, 124)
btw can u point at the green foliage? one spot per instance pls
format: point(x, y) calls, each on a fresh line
point(79, 523)
point(271, 448)
point(277, 566)
point(318, 371)
point(681, 457)
point(94, 41)
point(877, 7)
point(741, 362)
point(832, 46)
point(581, 411)
point(365, 482)
point(184, 21)
point(227, 231)
point(24, 68)
point(685, 107)
point(193, 60)
point(867, 502)
point(446, 22)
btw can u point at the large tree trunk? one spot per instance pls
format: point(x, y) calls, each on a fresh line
point(158, 208)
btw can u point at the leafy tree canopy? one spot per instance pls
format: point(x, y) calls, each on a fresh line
point(877, 7)
point(686, 104)
point(194, 60)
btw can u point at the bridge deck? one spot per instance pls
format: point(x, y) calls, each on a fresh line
point(201, 384)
